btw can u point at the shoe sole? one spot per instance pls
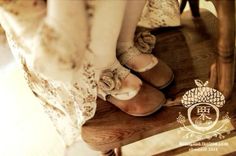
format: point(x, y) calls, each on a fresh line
point(168, 83)
point(149, 113)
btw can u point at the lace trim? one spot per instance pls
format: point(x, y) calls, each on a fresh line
point(144, 42)
point(110, 79)
point(127, 54)
point(160, 13)
point(69, 105)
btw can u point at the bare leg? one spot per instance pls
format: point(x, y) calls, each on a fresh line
point(132, 15)
point(107, 21)
point(105, 30)
point(133, 12)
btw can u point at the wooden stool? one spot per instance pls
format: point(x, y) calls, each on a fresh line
point(190, 50)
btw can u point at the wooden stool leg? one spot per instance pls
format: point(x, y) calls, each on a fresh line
point(183, 5)
point(108, 153)
point(112, 152)
point(194, 6)
point(118, 151)
point(225, 61)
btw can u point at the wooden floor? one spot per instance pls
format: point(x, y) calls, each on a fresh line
point(189, 50)
point(24, 121)
point(27, 131)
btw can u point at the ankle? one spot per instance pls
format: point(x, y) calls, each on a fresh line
point(123, 47)
point(124, 44)
point(101, 63)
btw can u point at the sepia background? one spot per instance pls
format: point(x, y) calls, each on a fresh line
point(26, 131)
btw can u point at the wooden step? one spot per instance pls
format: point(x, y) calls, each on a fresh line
point(189, 50)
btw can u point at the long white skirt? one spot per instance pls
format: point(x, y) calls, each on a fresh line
point(59, 75)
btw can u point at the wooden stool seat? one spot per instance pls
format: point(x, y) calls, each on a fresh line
point(192, 48)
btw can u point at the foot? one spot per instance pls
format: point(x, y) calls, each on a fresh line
point(146, 102)
point(149, 68)
point(117, 81)
point(126, 91)
point(159, 76)
point(138, 61)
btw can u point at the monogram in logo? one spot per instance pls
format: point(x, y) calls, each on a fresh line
point(203, 104)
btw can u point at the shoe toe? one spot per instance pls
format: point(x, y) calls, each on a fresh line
point(129, 88)
point(147, 101)
point(160, 76)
